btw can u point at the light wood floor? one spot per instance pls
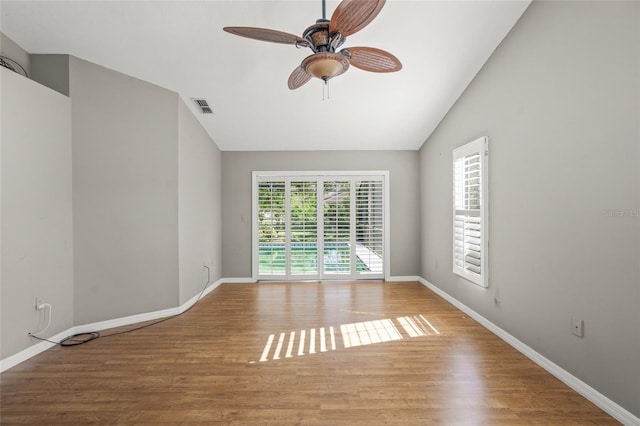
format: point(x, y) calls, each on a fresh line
point(401, 356)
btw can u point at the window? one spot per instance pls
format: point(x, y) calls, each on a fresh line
point(320, 225)
point(470, 207)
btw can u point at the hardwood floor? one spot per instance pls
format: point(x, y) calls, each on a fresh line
point(402, 356)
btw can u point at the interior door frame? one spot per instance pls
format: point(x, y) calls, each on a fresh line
point(320, 176)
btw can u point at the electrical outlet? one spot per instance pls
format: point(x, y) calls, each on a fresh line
point(40, 304)
point(577, 327)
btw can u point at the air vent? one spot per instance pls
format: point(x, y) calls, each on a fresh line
point(202, 105)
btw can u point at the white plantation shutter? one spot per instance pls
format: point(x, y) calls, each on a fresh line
point(337, 227)
point(370, 224)
point(272, 227)
point(470, 201)
point(303, 219)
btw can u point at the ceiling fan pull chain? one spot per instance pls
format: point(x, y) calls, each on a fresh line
point(325, 90)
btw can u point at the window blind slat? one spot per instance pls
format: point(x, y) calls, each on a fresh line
point(473, 254)
point(472, 260)
point(473, 268)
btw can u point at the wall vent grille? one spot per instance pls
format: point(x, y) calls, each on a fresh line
point(202, 105)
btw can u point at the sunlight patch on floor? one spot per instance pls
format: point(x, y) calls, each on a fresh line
point(353, 335)
point(369, 332)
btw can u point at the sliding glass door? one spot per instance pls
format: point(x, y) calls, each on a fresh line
point(323, 226)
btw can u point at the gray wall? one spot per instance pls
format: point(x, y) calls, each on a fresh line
point(110, 199)
point(236, 199)
point(52, 71)
point(36, 214)
point(559, 100)
point(199, 212)
point(125, 194)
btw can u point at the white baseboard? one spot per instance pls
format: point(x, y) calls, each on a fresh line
point(149, 316)
point(240, 280)
point(607, 405)
point(402, 279)
point(42, 346)
point(33, 350)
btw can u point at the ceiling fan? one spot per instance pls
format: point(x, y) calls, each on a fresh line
point(325, 37)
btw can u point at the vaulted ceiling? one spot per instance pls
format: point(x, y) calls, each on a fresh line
point(180, 45)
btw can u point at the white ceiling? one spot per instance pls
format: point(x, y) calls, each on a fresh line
point(180, 45)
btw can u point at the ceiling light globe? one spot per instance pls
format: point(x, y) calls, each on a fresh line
point(325, 65)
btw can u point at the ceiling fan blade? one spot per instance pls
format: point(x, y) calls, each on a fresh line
point(298, 77)
point(353, 15)
point(265, 34)
point(372, 59)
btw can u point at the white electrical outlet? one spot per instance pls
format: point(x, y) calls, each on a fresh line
point(577, 327)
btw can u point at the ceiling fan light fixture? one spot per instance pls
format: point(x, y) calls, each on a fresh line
point(325, 65)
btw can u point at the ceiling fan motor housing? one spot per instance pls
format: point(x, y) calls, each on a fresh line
point(320, 38)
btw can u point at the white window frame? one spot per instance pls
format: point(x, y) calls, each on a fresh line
point(320, 177)
point(479, 146)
